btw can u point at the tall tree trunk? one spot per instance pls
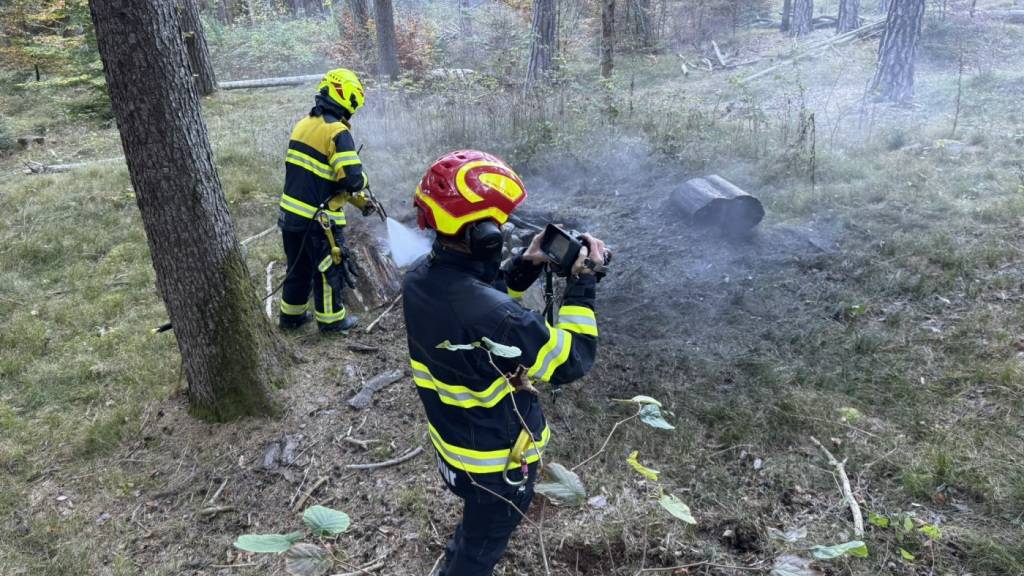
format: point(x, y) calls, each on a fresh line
point(897, 51)
point(849, 17)
point(387, 46)
point(227, 347)
point(642, 23)
point(199, 59)
point(465, 21)
point(803, 15)
point(607, 37)
point(223, 12)
point(543, 40)
point(360, 25)
point(787, 15)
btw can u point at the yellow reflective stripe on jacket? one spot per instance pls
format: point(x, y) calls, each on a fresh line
point(515, 293)
point(578, 319)
point(485, 462)
point(309, 163)
point(460, 396)
point(553, 354)
point(296, 206)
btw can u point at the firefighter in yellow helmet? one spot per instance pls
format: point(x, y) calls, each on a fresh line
point(322, 173)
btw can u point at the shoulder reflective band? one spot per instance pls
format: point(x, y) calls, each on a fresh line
point(309, 163)
point(553, 354)
point(296, 206)
point(485, 462)
point(578, 319)
point(460, 396)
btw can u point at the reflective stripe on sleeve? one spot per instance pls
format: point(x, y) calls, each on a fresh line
point(578, 319)
point(460, 396)
point(347, 158)
point(553, 354)
point(484, 462)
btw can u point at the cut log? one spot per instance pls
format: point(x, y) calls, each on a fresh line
point(362, 400)
point(271, 82)
point(715, 202)
point(37, 168)
point(1011, 16)
point(379, 281)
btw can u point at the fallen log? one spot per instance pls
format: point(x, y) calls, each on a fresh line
point(1011, 16)
point(715, 202)
point(814, 48)
point(362, 400)
point(270, 82)
point(39, 168)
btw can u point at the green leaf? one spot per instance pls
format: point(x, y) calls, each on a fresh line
point(908, 524)
point(850, 414)
point(790, 536)
point(906, 555)
point(325, 521)
point(566, 488)
point(651, 415)
point(306, 560)
point(502, 350)
point(640, 400)
point(645, 471)
point(878, 520)
point(267, 543)
point(930, 530)
point(677, 508)
point(854, 548)
point(447, 345)
point(793, 566)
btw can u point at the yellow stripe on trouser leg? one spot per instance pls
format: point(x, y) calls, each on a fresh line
point(328, 315)
point(578, 319)
point(293, 309)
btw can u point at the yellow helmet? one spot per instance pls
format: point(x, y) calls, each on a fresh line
point(344, 88)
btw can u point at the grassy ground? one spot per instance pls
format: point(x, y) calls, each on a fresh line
point(878, 309)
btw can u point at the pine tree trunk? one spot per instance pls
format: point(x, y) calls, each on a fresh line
point(803, 14)
point(228, 350)
point(465, 21)
point(607, 37)
point(643, 24)
point(195, 43)
point(223, 13)
point(849, 17)
point(897, 51)
point(387, 47)
point(787, 15)
point(543, 41)
point(360, 25)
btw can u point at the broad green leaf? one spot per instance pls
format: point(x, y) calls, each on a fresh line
point(878, 520)
point(306, 560)
point(502, 350)
point(906, 555)
point(566, 487)
point(791, 536)
point(645, 471)
point(325, 521)
point(787, 565)
point(677, 508)
point(854, 548)
point(908, 523)
point(850, 414)
point(930, 530)
point(641, 400)
point(447, 345)
point(267, 543)
point(651, 415)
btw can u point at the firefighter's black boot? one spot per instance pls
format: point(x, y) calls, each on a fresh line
point(340, 327)
point(293, 321)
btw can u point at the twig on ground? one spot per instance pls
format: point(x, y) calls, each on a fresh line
point(220, 566)
point(858, 520)
point(696, 564)
point(368, 569)
point(217, 493)
point(360, 347)
point(364, 444)
point(608, 439)
point(270, 289)
point(383, 314)
point(393, 462)
point(436, 562)
point(256, 237)
point(214, 510)
point(309, 493)
point(362, 400)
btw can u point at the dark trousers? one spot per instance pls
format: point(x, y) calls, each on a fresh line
point(310, 268)
point(480, 539)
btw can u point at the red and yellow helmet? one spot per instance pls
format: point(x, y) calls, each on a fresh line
point(467, 186)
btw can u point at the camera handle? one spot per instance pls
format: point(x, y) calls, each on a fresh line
point(549, 296)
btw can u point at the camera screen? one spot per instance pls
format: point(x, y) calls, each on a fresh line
point(559, 245)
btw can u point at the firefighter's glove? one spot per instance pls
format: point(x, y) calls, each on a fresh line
point(592, 256)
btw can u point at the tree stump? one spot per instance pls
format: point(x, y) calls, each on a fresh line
point(713, 201)
point(379, 281)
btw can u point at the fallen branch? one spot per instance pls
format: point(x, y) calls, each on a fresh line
point(718, 54)
point(360, 347)
point(858, 520)
point(258, 236)
point(217, 493)
point(39, 168)
point(608, 439)
point(368, 569)
point(364, 444)
point(816, 47)
point(270, 289)
point(309, 493)
point(1011, 16)
point(214, 510)
point(393, 462)
point(383, 314)
point(270, 82)
point(362, 400)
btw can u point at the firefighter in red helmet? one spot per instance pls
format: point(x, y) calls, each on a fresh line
point(488, 430)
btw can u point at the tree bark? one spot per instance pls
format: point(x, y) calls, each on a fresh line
point(199, 59)
point(643, 24)
point(607, 37)
point(465, 20)
point(849, 17)
point(803, 15)
point(543, 41)
point(387, 46)
point(223, 12)
point(897, 51)
point(361, 23)
point(227, 347)
point(787, 15)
